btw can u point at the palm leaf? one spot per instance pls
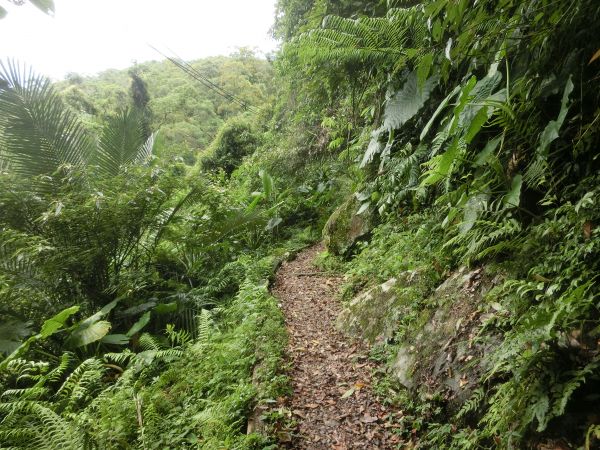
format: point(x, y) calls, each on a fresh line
point(39, 135)
point(123, 142)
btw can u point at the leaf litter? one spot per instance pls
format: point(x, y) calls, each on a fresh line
point(332, 402)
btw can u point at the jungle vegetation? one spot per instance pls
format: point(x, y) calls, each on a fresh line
point(142, 216)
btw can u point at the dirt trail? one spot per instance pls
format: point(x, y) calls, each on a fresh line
point(332, 399)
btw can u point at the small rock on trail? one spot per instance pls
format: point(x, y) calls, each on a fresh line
point(332, 400)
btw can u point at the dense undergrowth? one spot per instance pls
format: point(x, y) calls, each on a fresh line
point(483, 154)
point(135, 306)
point(461, 136)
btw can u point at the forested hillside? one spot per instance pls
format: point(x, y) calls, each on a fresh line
point(187, 112)
point(444, 153)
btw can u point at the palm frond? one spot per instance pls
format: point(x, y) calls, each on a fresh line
point(39, 134)
point(122, 142)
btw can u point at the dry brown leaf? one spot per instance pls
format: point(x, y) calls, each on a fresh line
point(587, 228)
point(595, 56)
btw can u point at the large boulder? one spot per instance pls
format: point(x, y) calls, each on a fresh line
point(440, 351)
point(443, 353)
point(345, 227)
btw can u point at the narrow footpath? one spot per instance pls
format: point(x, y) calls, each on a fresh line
point(332, 399)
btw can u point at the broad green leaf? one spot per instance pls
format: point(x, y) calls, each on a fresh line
point(441, 164)
point(473, 208)
point(141, 323)
point(165, 308)
point(46, 6)
point(89, 333)
point(550, 133)
point(513, 196)
point(3, 12)
point(406, 103)
point(484, 155)
point(53, 324)
point(439, 109)
point(100, 314)
point(267, 182)
point(115, 339)
point(424, 69)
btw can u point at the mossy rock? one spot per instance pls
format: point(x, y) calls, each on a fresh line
point(371, 315)
point(345, 227)
point(374, 314)
point(437, 355)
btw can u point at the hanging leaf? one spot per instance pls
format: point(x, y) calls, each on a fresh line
point(447, 50)
point(49, 327)
point(55, 323)
point(363, 208)
point(99, 315)
point(550, 133)
point(273, 222)
point(473, 208)
point(373, 149)
point(442, 164)
point(424, 69)
point(115, 339)
point(439, 109)
point(513, 196)
point(267, 182)
point(484, 155)
point(46, 6)
point(135, 310)
point(11, 334)
point(141, 323)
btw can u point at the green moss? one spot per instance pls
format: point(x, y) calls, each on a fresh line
point(345, 227)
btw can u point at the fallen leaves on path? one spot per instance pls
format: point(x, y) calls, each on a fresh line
point(332, 399)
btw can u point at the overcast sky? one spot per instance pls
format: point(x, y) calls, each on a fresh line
point(87, 36)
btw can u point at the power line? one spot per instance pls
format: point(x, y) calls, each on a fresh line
point(196, 75)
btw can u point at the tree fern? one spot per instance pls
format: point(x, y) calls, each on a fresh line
point(378, 41)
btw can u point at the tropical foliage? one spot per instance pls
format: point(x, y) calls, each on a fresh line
point(142, 215)
point(490, 122)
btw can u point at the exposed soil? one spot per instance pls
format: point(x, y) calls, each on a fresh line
point(332, 399)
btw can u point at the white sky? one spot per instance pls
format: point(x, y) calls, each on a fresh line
point(87, 36)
